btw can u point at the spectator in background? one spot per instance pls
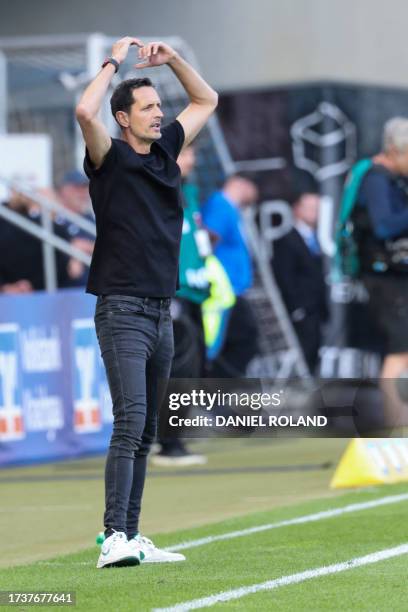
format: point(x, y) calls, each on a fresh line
point(222, 214)
point(21, 254)
point(189, 357)
point(380, 219)
point(74, 195)
point(298, 268)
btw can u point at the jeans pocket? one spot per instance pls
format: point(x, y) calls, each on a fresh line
point(118, 307)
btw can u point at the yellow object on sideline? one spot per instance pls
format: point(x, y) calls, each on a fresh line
point(372, 461)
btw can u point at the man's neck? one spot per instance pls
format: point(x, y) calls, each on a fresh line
point(140, 146)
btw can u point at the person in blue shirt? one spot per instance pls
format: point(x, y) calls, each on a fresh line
point(222, 215)
point(380, 218)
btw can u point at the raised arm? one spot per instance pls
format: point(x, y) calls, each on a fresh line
point(95, 134)
point(203, 99)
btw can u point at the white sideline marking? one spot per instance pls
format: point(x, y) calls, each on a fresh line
point(60, 564)
point(211, 600)
point(308, 518)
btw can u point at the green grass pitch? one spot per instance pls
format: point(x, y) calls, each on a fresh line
point(221, 565)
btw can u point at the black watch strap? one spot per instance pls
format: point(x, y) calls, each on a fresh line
point(111, 60)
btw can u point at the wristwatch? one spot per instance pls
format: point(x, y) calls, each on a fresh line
point(111, 60)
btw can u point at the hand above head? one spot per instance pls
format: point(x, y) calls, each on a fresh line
point(121, 47)
point(155, 54)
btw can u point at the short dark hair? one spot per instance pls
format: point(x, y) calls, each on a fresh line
point(122, 98)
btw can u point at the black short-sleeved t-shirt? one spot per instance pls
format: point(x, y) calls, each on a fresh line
point(138, 211)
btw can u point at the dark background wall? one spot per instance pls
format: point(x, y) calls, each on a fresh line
point(257, 123)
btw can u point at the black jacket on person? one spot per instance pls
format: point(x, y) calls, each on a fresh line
point(299, 274)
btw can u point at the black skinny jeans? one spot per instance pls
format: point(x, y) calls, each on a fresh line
point(136, 340)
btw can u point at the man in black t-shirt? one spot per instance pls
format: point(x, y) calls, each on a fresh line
point(135, 192)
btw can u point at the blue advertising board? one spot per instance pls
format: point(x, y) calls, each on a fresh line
point(54, 397)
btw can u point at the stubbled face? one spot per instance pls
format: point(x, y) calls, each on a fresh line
point(307, 209)
point(145, 116)
point(186, 161)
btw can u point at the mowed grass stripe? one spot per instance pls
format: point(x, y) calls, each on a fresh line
point(240, 563)
point(308, 518)
point(269, 585)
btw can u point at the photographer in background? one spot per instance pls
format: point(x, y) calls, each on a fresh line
point(380, 222)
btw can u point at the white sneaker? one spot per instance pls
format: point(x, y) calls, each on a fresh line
point(182, 460)
point(117, 551)
point(152, 554)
